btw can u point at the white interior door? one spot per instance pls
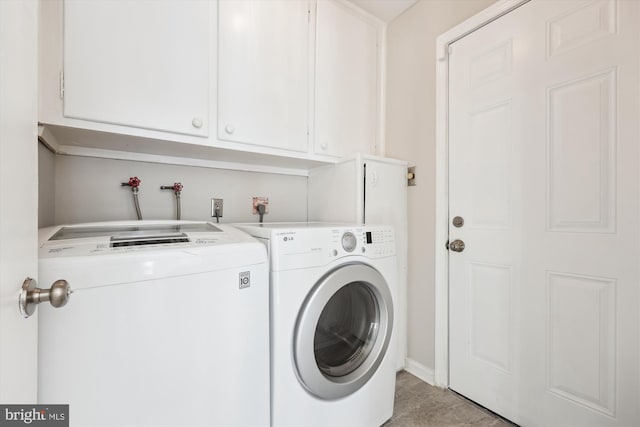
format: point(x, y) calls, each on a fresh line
point(18, 196)
point(543, 145)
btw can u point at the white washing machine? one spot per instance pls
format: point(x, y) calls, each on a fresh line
point(333, 291)
point(168, 324)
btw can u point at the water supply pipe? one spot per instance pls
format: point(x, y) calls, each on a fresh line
point(177, 189)
point(134, 183)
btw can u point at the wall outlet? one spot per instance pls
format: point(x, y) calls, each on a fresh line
point(216, 206)
point(260, 201)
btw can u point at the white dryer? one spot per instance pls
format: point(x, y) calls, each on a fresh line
point(168, 324)
point(333, 292)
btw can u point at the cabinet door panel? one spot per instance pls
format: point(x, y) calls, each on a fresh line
point(262, 72)
point(346, 105)
point(138, 63)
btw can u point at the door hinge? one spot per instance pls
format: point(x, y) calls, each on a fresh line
point(61, 84)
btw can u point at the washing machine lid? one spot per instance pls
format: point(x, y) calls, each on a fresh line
point(103, 238)
point(343, 331)
point(134, 234)
point(110, 253)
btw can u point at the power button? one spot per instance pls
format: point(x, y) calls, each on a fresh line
point(349, 241)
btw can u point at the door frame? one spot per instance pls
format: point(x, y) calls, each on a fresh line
point(490, 14)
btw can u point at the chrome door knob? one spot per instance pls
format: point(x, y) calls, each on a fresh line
point(31, 296)
point(457, 246)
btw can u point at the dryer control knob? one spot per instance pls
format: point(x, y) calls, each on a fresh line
point(349, 241)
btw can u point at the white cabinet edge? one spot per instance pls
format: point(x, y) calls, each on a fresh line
point(172, 160)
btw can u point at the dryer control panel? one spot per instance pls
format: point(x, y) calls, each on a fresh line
point(366, 240)
point(373, 241)
point(349, 241)
point(380, 241)
point(314, 244)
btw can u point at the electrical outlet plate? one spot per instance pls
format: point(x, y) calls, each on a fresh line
point(219, 204)
point(260, 201)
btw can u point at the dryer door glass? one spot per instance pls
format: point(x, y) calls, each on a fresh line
point(343, 331)
point(346, 330)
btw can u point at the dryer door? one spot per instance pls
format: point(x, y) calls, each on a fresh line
point(343, 331)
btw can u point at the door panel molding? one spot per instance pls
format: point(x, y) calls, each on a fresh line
point(590, 303)
point(568, 31)
point(584, 200)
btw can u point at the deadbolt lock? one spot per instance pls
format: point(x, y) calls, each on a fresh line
point(458, 221)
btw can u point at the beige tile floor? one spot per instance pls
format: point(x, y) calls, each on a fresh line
point(420, 405)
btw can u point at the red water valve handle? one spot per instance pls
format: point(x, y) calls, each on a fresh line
point(134, 182)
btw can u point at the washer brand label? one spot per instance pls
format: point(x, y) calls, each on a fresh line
point(245, 279)
point(35, 415)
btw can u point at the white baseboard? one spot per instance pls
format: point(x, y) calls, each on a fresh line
point(419, 370)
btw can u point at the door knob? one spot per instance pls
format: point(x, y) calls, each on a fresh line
point(31, 296)
point(457, 246)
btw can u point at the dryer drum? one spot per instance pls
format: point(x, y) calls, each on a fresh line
point(347, 329)
point(343, 331)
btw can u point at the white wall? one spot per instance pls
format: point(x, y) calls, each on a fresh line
point(88, 189)
point(410, 134)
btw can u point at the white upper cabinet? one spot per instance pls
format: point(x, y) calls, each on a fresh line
point(138, 63)
point(282, 82)
point(263, 69)
point(346, 80)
